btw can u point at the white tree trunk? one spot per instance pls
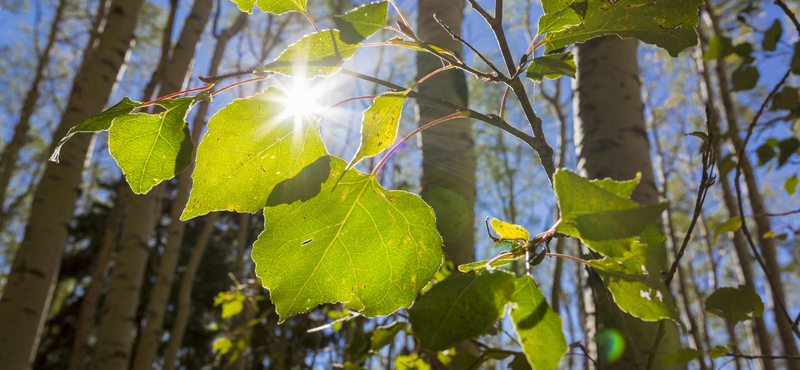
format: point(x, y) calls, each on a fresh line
point(26, 298)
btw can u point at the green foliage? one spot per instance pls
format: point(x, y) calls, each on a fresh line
point(480, 266)
point(731, 225)
point(795, 62)
point(361, 23)
point(379, 127)
point(683, 356)
point(735, 304)
point(552, 67)
point(744, 78)
point(791, 184)
point(249, 148)
point(459, 308)
point(718, 47)
point(538, 327)
point(446, 202)
point(318, 54)
point(150, 148)
point(384, 335)
point(772, 36)
point(358, 243)
point(272, 6)
point(411, 362)
point(788, 98)
point(509, 231)
point(668, 24)
point(570, 15)
point(100, 122)
point(232, 303)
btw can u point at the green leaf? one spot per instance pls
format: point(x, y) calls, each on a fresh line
point(481, 265)
point(744, 78)
point(361, 23)
point(788, 147)
point(358, 243)
point(791, 184)
point(509, 231)
point(735, 304)
point(249, 148)
point(413, 45)
point(552, 67)
point(635, 283)
point(445, 270)
point(452, 212)
point(553, 6)
point(151, 148)
point(459, 308)
point(384, 335)
point(682, 356)
point(727, 165)
point(718, 47)
point(772, 36)
point(731, 225)
point(765, 154)
point(718, 351)
point(318, 54)
point(602, 219)
point(572, 15)
point(379, 127)
point(744, 50)
point(306, 185)
point(351, 366)
point(100, 122)
point(411, 362)
point(788, 99)
point(272, 6)
point(668, 24)
point(538, 327)
point(360, 346)
point(232, 303)
point(795, 62)
point(222, 345)
point(520, 362)
point(622, 189)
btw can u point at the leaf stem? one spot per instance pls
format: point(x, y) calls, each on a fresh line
point(429, 75)
point(418, 130)
point(311, 20)
point(503, 103)
point(401, 14)
point(345, 101)
point(201, 88)
point(240, 83)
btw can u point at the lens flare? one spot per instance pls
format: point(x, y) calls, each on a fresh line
point(610, 345)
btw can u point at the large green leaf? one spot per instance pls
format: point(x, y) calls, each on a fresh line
point(100, 122)
point(668, 24)
point(552, 67)
point(601, 218)
point(358, 243)
point(771, 36)
point(151, 148)
point(635, 283)
point(538, 327)
point(383, 335)
point(682, 356)
point(459, 308)
point(249, 148)
point(735, 304)
point(318, 54)
point(571, 15)
point(361, 23)
point(273, 6)
point(379, 127)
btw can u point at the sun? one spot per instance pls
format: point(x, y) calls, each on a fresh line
point(302, 101)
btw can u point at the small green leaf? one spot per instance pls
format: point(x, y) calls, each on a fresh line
point(718, 47)
point(272, 6)
point(622, 189)
point(795, 62)
point(222, 345)
point(791, 184)
point(668, 24)
point(538, 327)
point(772, 36)
point(731, 225)
point(572, 15)
point(100, 122)
point(765, 154)
point(361, 23)
point(552, 67)
point(682, 356)
point(744, 50)
point(318, 54)
point(413, 45)
point(459, 308)
point(520, 362)
point(358, 243)
point(151, 148)
point(384, 335)
point(508, 231)
point(249, 148)
point(351, 366)
point(744, 78)
point(735, 304)
point(379, 127)
point(480, 266)
point(718, 351)
point(231, 308)
point(411, 362)
point(788, 99)
point(788, 147)
point(727, 165)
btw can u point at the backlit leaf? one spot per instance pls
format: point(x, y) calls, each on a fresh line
point(272, 6)
point(481, 265)
point(411, 362)
point(413, 45)
point(358, 243)
point(682, 356)
point(791, 184)
point(100, 122)
point(668, 24)
point(509, 231)
point(718, 47)
point(452, 212)
point(383, 335)
point(362, 22)
point(538, 327)
point(731, 225)
point(622, 189)
point(249, 148)
point(379, 127)
point(571, 15)
point(151, 148)
point(318, 54)
point(552, 67)
point(459, 308)
point(735, 304)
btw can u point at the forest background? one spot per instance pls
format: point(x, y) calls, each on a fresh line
point(508, 182)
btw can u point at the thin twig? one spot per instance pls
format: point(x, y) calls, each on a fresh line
point(754, 357)
point(789, 13)
point(778, 214)
point(458, 38)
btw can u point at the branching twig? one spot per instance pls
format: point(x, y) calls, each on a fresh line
point(458, 38)
point(755, 357)
point(789, 13)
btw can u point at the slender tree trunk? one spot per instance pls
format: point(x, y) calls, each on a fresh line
point(26, 298)
point(185, 293)
point(91, 297)
point(8, 158)
point(611, 141)
point(740, 246)
point(114, 335)
point(448, 150)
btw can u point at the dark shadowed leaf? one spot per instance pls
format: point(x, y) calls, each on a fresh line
point(683, 356)
point(538, 327)
point(744, 78)
point(304, 186)
point(718, 47)
point(788, 99)
point(383, 335)
point(772, 36)
point(552, 67)
point(735, 304)
point(788, 148)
